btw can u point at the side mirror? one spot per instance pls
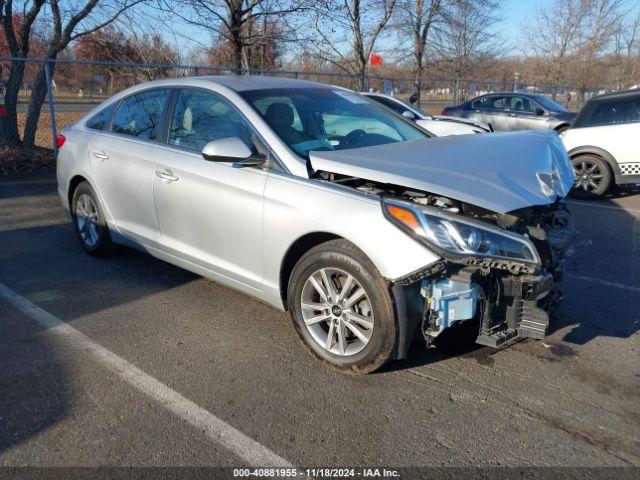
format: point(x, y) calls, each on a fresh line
point(230, 149)
point(409, 115)
point(539, 111)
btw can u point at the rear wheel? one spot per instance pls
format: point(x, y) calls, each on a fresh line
point(88, 220)
point(593, 176)
point(341, 308)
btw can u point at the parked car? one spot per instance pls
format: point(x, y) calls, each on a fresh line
point(318, 201)
point(437, 124)
point(603, 143)
point(514, 111)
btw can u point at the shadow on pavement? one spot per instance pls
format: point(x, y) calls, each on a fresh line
point(34, 185)
point(33, 382)
point(602, 275)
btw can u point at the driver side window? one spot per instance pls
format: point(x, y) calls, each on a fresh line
point(200, 117)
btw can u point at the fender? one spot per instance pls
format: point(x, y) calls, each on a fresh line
point(597, 151)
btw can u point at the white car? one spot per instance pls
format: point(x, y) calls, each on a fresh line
point(603, 143)
point(439, 125)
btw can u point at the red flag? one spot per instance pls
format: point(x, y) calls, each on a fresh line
point(375, 60)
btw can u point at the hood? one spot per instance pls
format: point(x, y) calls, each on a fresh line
point(500, 172)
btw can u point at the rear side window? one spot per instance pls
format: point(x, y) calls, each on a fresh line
point(490, 103)
point(100, 120)
point(395, 106)
point(609, 112)
point(140, 115)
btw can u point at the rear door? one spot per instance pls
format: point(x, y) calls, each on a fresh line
point(210, 213)
point(122, 163)
point(493, 111)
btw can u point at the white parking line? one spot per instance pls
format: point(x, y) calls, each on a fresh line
point(606, 283)
point(223, 434)
point(606, 207)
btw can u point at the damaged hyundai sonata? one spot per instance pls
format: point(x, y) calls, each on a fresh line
point(320, 202)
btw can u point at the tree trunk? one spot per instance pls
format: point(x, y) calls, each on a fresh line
point(237, 53)
point(38, 96)
point(9, 132)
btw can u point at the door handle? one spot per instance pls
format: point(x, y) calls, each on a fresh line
point(101, 155)
point(167, 175)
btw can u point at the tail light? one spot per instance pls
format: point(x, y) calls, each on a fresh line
point(3, 109)
point(444, 112)
point(60, 139)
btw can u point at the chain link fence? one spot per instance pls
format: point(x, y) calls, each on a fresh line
point(74, 87)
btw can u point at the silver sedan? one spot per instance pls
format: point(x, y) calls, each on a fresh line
point(320, 202)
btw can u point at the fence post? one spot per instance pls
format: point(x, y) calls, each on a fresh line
point(52, 111)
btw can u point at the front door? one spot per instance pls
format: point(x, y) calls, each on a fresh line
point(526, 114)
point(210, 213)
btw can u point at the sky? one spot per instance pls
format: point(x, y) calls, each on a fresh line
point(515, 13)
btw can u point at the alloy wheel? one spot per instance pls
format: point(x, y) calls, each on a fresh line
point(588, 176)
point(337, 311)
point(87, 220)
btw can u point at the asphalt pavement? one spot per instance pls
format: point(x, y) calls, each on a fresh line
point(129, 361)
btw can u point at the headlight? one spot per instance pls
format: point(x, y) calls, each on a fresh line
point(459, 236)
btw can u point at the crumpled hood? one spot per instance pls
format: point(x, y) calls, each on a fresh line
point(500, 172)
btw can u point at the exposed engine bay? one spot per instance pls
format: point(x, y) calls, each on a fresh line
point(510, 299)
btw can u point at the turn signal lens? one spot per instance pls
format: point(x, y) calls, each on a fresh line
point(404, 216)
point(60, 139)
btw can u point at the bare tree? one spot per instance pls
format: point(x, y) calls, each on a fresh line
point(241, 23)
point(468, 37)
point(66, 20)
point(571, 35)
point(416, 18)
point(348, 31)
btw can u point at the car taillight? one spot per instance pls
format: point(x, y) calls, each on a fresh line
point(3, 108)
point(444, 111)
point(60, 139)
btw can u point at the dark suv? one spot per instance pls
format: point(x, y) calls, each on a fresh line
point(515, 111)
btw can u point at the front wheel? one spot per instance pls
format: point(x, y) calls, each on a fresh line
point(593, 177)
point(341, 308)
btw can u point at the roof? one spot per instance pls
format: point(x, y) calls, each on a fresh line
point(620, 94)
point(241, 83)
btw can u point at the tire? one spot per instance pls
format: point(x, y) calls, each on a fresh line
point(89, 222)
point(593, 176)
point(356, 354)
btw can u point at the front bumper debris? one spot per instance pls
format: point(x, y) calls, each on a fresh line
point(521, 316)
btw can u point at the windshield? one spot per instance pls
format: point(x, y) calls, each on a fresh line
point(308, 119)
point(550, 104)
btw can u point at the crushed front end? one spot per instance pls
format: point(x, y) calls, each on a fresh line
point(501, 270)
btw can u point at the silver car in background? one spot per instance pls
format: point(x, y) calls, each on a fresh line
point(515, 111)
point(318, 201)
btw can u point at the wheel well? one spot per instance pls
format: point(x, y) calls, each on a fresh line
point(561, 126)
point(75, 181)
point(295, 252)
point(594, 154)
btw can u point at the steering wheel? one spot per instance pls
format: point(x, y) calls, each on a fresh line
point(352, 136)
